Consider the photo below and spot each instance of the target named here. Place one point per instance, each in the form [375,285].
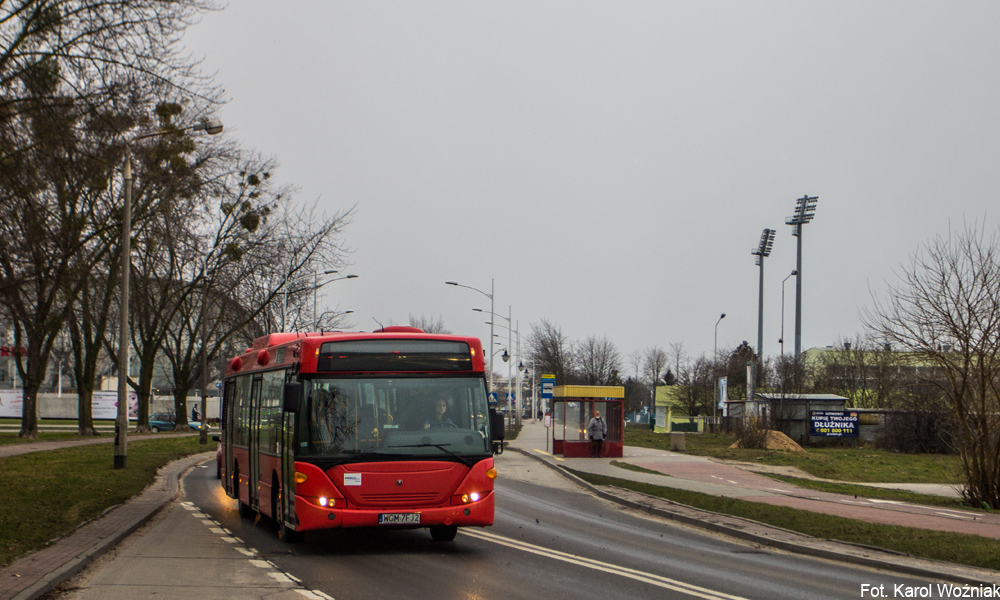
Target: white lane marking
[208,522]
[261,564]
[247,551]
[232,540]
[219,530]
[663,582]
[293,578]
[280,577]
[955,516]
[732,482]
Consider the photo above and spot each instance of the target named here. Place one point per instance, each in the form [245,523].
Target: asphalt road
[551,540]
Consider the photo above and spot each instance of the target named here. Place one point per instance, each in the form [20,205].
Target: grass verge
[863,464]
[58,490]
[951,547]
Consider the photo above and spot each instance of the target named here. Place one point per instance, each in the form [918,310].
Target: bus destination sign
[833,423]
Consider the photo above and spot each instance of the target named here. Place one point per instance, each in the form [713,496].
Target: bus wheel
[444,533]
[285,534]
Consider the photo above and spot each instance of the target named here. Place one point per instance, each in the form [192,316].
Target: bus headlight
[474,496]
[327,502]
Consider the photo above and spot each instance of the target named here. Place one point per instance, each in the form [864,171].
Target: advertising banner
[105,405]
[833,423]
[11,403]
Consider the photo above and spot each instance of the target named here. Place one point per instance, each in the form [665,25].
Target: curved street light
[211,127]
[781,340]
[490,296]
[284,300]
[715,358]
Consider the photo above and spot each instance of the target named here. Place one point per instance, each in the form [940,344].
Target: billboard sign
[833,423]
[11,403]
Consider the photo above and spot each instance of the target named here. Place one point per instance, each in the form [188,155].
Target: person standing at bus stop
[597,430]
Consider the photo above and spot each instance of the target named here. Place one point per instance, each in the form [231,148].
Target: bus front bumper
[475,514]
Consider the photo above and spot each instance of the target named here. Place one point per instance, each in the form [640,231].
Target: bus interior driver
[438,419]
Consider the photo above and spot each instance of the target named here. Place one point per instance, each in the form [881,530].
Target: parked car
[167,422]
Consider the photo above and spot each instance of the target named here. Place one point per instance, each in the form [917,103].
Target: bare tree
[654,365]
[251,236]
[945,311]
[551,351]
[50,224]
[863,370]
[599,361]
[697,383]
[675,356]
[67,68]
[429,324]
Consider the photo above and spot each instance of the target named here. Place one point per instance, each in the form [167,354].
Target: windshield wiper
[439,447]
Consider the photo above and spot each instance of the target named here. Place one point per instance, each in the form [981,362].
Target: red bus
[383,429]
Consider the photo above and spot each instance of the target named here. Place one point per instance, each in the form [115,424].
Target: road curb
[943,570]
[131,515]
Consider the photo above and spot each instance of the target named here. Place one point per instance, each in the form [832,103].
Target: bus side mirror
[291,398]
[497,430]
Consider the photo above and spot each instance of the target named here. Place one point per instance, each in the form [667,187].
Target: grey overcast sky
[612,164]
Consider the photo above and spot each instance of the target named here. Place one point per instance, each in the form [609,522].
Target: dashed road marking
[278,575]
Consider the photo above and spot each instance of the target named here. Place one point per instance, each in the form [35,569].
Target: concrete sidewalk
[707,476]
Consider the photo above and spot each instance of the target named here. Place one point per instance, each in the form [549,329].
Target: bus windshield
[398,416]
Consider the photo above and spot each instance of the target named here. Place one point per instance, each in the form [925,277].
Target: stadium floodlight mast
[490,296]
[805,210]
[763,250]
[211,127]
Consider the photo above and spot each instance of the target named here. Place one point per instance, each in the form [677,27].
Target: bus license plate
[399,519]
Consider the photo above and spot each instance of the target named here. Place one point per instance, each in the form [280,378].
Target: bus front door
[254,443]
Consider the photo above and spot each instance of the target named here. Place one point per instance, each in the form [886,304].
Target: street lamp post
[781,340]
[511,330]
[715,357]
[490,296]
[211,127]
[316,287]
[284,298]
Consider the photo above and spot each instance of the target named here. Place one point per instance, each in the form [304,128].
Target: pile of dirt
[778,441]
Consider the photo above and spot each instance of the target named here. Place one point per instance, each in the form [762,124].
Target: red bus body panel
[443,492]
